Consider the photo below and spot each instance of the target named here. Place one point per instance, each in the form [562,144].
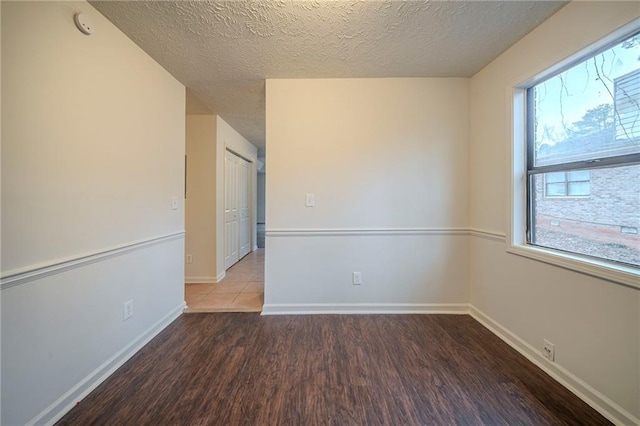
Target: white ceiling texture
[224,50]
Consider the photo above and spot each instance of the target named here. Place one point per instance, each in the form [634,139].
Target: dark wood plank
[245,369]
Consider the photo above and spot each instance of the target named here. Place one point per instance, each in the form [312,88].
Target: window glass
[605,224]
[556,189]
[578,189]
[590,110]
[584,157]
[555,177]
[574,183]
[578,175]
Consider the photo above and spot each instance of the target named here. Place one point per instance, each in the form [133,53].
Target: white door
[230,209]
[237,202]
[244,191]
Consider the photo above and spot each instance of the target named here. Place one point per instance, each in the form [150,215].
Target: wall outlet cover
[548,350]
[309,200]
[127,310]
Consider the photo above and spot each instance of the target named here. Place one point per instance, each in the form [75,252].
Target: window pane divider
[620,160]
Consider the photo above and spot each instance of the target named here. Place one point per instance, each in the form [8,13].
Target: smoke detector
[83,22]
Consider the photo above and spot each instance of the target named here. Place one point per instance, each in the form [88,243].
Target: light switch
[310,200]
[174,203]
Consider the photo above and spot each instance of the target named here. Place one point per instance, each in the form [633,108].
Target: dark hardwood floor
[246,369]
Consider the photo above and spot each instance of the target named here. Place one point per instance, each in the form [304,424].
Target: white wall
[0,217]
[387,162]
[92,154]
[594,324]
[200,204]
[229,139]
[261,197]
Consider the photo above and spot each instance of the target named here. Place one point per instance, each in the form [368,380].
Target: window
[567,184]
[583,156]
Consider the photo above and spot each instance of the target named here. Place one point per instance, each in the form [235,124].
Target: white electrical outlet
[357,278]
[189,258]
[127,310]
[309,200]
[548,350]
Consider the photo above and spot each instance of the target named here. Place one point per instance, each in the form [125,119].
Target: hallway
[242,290]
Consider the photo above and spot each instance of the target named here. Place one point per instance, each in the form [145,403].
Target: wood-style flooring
[247,369]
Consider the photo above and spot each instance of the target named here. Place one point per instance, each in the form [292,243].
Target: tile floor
[242,290]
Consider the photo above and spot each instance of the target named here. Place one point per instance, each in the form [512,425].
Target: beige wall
[594,324]
[92,155]
[387,162]
[69,164]
[376,152]
[200,203]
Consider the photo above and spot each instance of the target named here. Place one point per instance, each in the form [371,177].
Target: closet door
[244,191]
[237,202]
[231,218]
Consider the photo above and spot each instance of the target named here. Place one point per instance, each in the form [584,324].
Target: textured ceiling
[224,51]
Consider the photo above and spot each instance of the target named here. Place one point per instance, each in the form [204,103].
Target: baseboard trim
[205,280]
[363,232]
[582,390]
[66,402]
[364,308]
[34,272]
[200,280]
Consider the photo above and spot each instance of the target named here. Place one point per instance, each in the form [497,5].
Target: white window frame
[516,232]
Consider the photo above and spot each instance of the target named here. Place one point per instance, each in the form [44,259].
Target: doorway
[242,288]
[237,212]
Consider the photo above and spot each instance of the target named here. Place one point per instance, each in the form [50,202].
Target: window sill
[619,274]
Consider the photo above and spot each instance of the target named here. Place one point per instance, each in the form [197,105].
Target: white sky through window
[565,98]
